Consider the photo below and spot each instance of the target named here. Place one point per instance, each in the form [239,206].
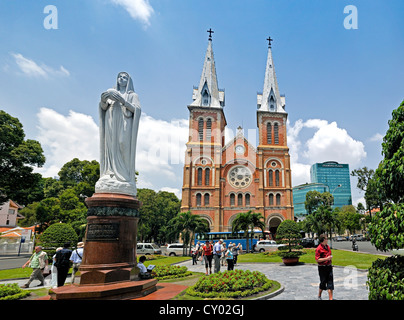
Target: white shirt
[142,267]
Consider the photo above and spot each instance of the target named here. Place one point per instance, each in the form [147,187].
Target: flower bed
[230,284]
[12,291]
[170,272]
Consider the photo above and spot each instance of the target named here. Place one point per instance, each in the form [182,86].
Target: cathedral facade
[222,179]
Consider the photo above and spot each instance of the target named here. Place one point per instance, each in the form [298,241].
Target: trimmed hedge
[11,291]
[230,284]
[170,272]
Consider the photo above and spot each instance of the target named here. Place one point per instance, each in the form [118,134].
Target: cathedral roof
[270,98]
[208,94]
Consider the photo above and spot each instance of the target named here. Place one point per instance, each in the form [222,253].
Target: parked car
[173,249]
[308,243]
[147,248]
[339,238]
[266,245]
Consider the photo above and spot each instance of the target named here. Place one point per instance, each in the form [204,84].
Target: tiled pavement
[301,281]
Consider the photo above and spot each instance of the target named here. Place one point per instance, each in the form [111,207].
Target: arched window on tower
[199,182]
[207,177]
[278,199]
[277,178]
[270,178]
[271,199]
[206,199]
[208,129]
[200,129]
[232,199]
[198,199]
[276,133]
[239,200]
[247,200]
[269,133]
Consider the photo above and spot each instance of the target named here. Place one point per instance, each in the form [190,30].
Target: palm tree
[187,224]
[248,220]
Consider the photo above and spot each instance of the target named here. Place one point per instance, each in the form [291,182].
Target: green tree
[188,224]
[289,233]
[315,199]
[385,278]
[18,157]
[366,184]
[246,221]
[57,235]
[81,175]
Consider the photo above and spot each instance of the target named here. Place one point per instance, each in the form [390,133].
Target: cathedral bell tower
[273,159]
[201,184]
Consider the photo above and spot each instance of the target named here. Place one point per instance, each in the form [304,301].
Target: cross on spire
[210,33]
[269,41]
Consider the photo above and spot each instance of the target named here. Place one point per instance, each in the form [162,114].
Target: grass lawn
[340,258]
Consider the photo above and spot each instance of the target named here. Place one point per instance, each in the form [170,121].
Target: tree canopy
[18,157]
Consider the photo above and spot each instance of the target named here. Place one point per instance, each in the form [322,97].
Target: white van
[174,249]
[266,245]
[147,248]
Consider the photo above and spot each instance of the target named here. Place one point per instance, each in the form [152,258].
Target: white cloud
[327,143]
[66,137]
[138,9]
[31,68]
[160,146]
[377,138]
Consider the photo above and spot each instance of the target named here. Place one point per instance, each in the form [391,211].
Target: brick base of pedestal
[126,290]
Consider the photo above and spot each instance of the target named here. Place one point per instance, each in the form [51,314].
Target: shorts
[326,277]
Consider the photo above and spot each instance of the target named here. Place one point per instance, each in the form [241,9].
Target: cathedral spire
[207,94]
[270,99]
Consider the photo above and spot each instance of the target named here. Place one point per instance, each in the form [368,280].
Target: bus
[235,238]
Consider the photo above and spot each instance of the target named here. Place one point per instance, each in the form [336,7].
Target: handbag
[46,271]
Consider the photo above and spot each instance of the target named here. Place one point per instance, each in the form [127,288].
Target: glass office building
[299,196]
[337,177]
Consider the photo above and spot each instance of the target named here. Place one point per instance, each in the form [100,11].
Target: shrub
[12,291]
[288,233]
[170,272]
[58,234]
[386,279]
[230,284]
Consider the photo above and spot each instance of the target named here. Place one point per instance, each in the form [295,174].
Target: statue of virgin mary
[119,121]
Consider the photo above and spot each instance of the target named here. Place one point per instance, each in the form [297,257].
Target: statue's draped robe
[118,136]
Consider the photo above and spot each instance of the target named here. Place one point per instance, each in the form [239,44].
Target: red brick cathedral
[222,180]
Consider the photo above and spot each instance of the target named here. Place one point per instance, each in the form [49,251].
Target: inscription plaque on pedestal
[103,232]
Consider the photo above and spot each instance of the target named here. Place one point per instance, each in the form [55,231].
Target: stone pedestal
[108,269]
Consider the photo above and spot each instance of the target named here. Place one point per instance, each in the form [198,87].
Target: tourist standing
[207,254]
[323,258]
[229,257]
[235,250]
[76,258]
[217,253]
[63,263]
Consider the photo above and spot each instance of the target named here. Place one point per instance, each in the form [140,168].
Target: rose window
[240,177]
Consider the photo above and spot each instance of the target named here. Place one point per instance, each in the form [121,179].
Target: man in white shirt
[217,253]
[76,258]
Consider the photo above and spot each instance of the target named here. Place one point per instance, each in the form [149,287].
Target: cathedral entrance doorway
[274,221]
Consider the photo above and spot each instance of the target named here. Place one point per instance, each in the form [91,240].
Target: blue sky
[341,85]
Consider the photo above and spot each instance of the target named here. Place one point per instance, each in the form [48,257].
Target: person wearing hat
[76,258]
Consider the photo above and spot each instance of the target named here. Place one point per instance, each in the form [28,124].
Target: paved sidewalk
[301,281]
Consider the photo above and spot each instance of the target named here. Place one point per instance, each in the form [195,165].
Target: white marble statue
[119,121]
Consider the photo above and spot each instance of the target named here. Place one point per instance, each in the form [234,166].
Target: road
[363,246]
[13,261]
